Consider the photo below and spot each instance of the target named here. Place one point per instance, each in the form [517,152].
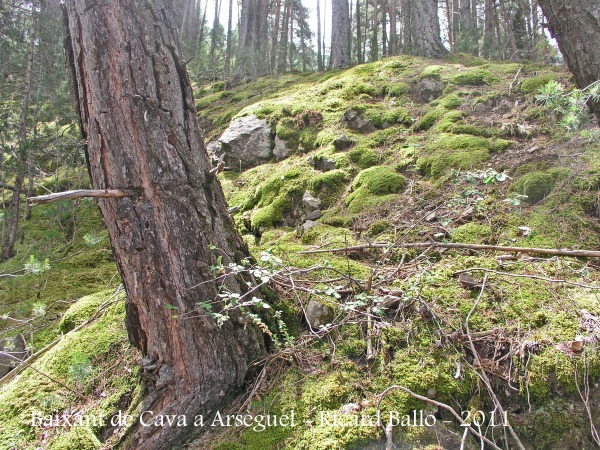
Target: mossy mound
[448,151]
[475,77]
[532,85]
[537,185]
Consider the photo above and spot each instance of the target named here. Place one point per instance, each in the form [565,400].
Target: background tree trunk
[319,49]
[23,151]
[340,32]
[424,29]
[576,27]
[138,117]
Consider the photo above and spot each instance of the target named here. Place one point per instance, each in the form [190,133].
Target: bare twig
[79,193]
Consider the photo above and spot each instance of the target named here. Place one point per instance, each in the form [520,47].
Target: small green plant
[35,266]
[92,239]
[39,309]
[570,106]
[80,368]
[515,199]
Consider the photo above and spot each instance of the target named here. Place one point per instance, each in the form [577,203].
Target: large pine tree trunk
[423,29]
[137,115]
[576,27]
[340,42]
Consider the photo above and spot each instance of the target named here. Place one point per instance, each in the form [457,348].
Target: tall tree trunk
[227,66]
[319,47]
[576,28]
[374,36]
[275,34]
[424,29]
[23,155]
[340,45]
[488,28]
[213,37]
[253,32]
[291,38]
[393,50]
[283,41]
[138,118]
[359,54]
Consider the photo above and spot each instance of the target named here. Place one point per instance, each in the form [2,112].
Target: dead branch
[78,193]
[529,250]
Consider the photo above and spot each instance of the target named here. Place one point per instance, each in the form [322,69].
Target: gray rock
[246,142]
[310,203]
[357,122]
[318,314]
[323,164]
[429,88]
[281,151]
[316,214]
[343,142]
[308,225]
[14,346]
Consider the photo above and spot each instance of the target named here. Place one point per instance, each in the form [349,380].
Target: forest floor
[397,323]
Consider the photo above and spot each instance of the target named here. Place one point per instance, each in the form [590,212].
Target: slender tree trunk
[23,156]
[359,54]
[384,36]
[275,34]
[291,38]
[319,47]
[213,38]
[227,66]
[393,49]
[340,45]
[374,36]
[283,42]
[576,28]
[202,26]
[138,118]
[488,28]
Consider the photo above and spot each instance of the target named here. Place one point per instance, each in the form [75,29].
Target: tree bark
[319,47]
[576,28]
[137,116]
[227,66]
[253,32]
[424,29]
[340,32]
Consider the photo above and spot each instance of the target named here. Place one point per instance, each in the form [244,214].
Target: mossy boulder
[77,438]
[372,185]
[534,84]
[328,186]
[537,185]
[81,311]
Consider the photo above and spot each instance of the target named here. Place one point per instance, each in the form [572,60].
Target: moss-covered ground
[481,164]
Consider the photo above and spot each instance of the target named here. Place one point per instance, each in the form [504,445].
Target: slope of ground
[481,163]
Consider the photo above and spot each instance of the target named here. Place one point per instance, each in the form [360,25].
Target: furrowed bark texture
[576,27]
[138,117]
[340,42]
[424,29]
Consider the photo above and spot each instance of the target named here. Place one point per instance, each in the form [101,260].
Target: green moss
[77,438]
[396,89]
[537,185]
[364,157]
[471,233]
[459,152]
[304,138]
[449,120]
[379,227]
[81,311]
[373,187]
[451,101]
[328,186]
[429,119]
[534,84]
[475,77]
[433,71]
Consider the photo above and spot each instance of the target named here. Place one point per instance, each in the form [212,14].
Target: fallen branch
[79,193]
[529,250]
